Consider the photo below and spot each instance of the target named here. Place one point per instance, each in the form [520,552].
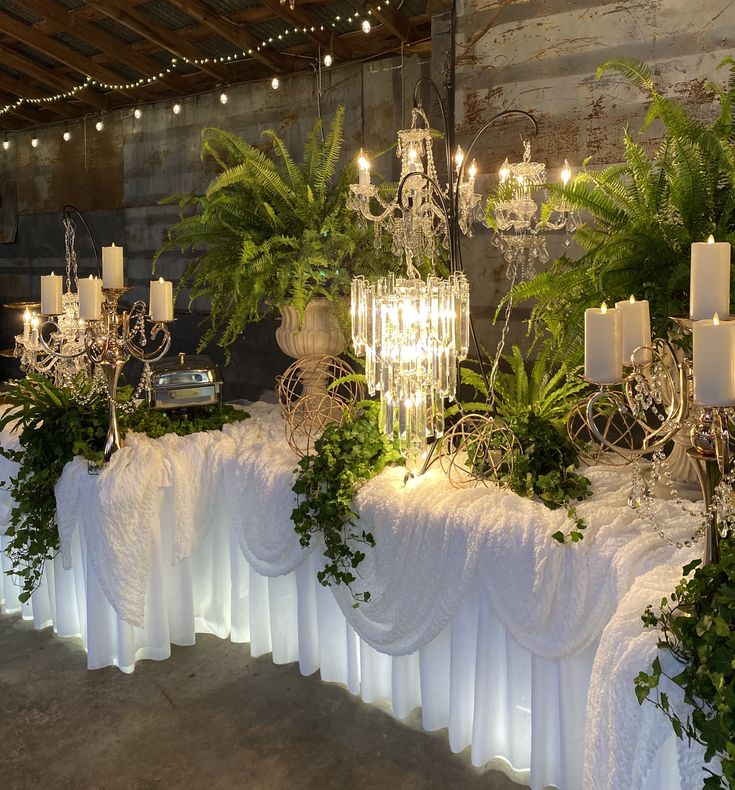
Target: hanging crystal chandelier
[412,333]
[519,228]
[68,361]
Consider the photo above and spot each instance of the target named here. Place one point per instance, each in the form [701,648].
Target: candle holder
[110,342]
[619,424]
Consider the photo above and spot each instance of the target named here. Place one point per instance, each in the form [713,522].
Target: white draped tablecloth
[524,649]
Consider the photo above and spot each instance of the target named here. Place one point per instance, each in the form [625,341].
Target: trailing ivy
[696,624]
[54,425]
[345,456]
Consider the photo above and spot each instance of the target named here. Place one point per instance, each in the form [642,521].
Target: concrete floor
[209,717]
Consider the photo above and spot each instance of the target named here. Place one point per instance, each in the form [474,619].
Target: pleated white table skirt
[516,711]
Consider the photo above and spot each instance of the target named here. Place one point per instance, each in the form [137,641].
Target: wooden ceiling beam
[48,76]
[49,46]
[210,18]
[400,26]
[299,18]
[19,88]
[101,39]
[165,39]
[24,111]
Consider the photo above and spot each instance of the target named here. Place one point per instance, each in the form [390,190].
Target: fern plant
[642,216]
[268,231]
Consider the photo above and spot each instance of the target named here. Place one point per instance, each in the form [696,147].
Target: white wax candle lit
[161,300]
[603,345]
[363,164]
[112,267]
[51,290]
[27,325]
[90,299]
[636,329]
[713,357]
[709,290]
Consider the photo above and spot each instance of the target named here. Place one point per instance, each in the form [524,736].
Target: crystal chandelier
[519,228]
[60,356]
[412,333]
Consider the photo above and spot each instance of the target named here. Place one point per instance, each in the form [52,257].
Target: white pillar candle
[709,290]
[636,328]
[112,267]
[162,300]
[90,299]
[51,289]
[713,357]
[603,345]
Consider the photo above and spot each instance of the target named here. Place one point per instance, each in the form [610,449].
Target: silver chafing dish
[184,381]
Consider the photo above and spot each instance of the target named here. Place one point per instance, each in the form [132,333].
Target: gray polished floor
[209,717]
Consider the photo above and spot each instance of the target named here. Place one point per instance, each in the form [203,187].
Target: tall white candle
[51,288]
[709,289]
[603,345]
[364,165]
[112,267]
[26,325]
[713,356]
[90,299]
[161,300]
[636,328]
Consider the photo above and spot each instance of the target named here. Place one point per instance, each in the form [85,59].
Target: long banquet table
[523,649]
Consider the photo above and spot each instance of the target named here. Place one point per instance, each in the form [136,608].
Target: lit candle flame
[603,308]
[34,322]
[716,320]
[473,169]
[711,239]
[459,157]
[363,162]
[632,299]
[26,316]
[412,154]
[504,171]
[566,173]
[160,279]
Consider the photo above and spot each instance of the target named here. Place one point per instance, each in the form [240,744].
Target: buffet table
[525,650]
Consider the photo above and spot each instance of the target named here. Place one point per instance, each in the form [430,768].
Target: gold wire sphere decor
[477,450]
[313,393]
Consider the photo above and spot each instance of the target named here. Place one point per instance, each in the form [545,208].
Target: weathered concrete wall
[117,176]
[541,56]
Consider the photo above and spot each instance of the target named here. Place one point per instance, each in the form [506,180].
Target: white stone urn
[318,334]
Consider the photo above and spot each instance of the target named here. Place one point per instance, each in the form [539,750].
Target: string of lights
[180,62]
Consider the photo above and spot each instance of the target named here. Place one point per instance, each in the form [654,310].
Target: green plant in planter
[696,624]
[642,216]
[269,232]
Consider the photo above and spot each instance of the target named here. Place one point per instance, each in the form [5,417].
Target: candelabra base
[707,469]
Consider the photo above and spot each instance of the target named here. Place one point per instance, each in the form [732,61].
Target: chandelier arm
[432,182]
[47,348]
[66,213]
[137,314]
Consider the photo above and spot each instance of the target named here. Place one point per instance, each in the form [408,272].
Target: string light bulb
[223,98]
[67,135]
[176,109]
[366,26]
[328,59]
[99,126]
[34,141]
[138,113]
[6,143]
[275,83]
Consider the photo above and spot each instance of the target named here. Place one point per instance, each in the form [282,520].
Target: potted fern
[272,235]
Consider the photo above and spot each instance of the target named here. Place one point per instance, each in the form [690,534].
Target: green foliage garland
[697,626]
[54,425]
[345,456]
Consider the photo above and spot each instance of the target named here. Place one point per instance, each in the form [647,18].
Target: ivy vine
[55,424]
[346,455]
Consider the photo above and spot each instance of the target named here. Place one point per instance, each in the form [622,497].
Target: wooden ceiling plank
[241,38]
[19,88]
[400,26]
[24,111]
[301,19]
[57,50]
[47,76]
[101,39]
[165,39]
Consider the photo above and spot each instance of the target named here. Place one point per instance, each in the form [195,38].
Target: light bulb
[459,157]
[328,60]
[566,173]
[711,239]
[66,135]
[473,169]
[275,83]
[138,113]
[716,319]
[363,162]
[99,126]
[504,171]
[6,143]
[603,308]
[412,155]
[176,108]
[223,98]
[366,27]
[34,141]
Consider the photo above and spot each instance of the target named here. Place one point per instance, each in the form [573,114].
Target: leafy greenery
[643,216]
[535,408]
[269,232]
[345,456]
[697,626]
[54,425]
